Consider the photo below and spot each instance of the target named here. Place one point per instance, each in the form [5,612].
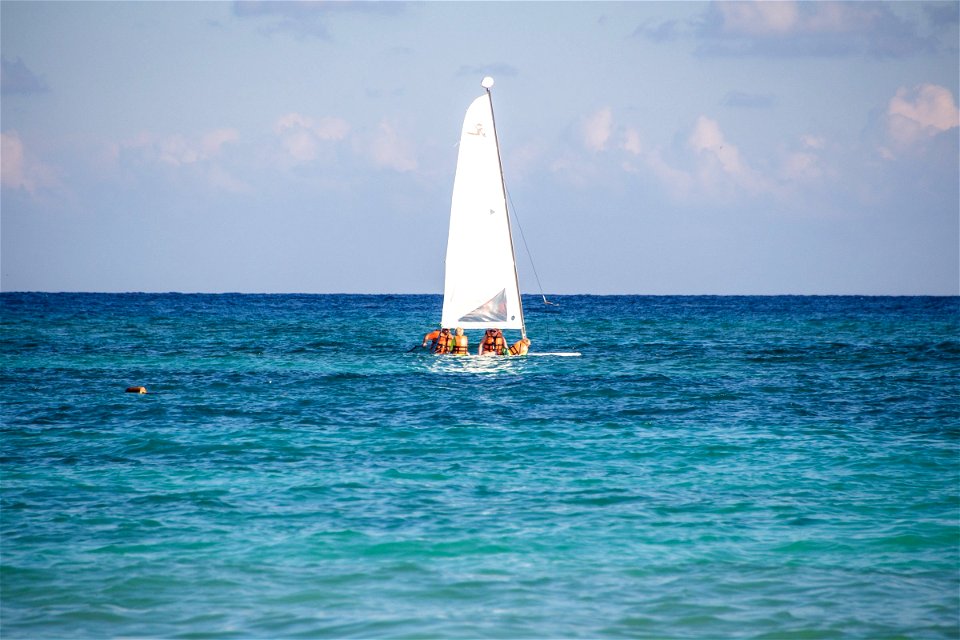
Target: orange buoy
[136,389]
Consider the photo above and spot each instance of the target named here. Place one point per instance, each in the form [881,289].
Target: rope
[513,209]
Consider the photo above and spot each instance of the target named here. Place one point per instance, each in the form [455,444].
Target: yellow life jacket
[518,349]
[459,345]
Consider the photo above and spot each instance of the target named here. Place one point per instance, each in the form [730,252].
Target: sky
[648,147]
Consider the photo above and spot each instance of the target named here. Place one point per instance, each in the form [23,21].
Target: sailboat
[481,286]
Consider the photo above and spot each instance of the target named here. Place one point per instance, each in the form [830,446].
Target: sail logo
[478,132]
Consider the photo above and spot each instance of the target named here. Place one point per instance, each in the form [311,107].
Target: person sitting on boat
[487,340]
[442,344]
[493,344]
[459,343]
[432,338]
[520,347]
[439,341]
[500,343]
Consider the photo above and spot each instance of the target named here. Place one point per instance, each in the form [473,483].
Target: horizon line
[536,295]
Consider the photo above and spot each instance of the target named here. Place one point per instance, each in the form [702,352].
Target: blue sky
[649,148]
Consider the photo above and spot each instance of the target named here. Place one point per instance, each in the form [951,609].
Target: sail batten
[480,285]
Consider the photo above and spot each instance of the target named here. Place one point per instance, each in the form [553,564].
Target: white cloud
[389,149]
[790,28]
[11,157]
[804,165]
[326,128]
[707,166]
[18,169]
[221,179]
[301,145]
[678,183]
[719,161]
[703,164]
[199,155]
[632,142]
[766,19]
[914,115]
[305,139]
[763,18]
[837,17]
[212,142]
[528,157]
[308,18]
[597,128]
[706,135]
[177,149]
[301,136]
[759,18]
[800,166]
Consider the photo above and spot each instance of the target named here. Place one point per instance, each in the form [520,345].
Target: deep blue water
[711,467]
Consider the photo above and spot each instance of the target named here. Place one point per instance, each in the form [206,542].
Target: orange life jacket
[517,349]
[442,344]
[459,345]
[487,343]
[493,344]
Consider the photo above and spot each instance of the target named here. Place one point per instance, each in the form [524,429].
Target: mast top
[486,83]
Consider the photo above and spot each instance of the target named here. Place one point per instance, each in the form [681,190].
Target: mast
[487,83]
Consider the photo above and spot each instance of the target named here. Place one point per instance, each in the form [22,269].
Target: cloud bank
[802,29]
[919,113]
[20,169]
[307,17]
[705,165]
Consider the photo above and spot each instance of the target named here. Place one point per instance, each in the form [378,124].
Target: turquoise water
[709,468]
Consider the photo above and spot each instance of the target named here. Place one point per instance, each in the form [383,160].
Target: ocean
[709,467]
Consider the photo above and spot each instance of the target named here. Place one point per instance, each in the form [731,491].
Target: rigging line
[513,209]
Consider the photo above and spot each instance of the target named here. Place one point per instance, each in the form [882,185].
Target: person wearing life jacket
[499,343]
[520,347]
[440,341]
[432,338]
[459,343]
[443,342]
[486,344]
[493,344]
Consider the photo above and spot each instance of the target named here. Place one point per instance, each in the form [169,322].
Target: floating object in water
[136,389]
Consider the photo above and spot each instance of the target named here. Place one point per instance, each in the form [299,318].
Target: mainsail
[480,288]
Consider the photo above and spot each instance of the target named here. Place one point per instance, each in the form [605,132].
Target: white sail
[480,287]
